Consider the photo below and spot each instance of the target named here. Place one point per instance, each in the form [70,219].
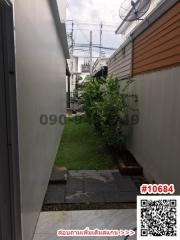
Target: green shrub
[91,97]
[109,107]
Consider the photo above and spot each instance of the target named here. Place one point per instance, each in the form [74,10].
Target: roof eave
[122,27]
[61,28]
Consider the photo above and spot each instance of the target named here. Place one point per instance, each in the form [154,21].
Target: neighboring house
[73,68]
[32,87]
[126,28]
[99,68]
[120,63]
[152,58]
[68,87]
[85,70]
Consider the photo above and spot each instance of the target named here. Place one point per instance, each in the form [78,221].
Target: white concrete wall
[41,69]
[156,139]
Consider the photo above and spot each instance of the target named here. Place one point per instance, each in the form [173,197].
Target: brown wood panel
[168,62]
[160,37]
[164,55]
[160,22]
[162,50]
[159,45]
[168,26]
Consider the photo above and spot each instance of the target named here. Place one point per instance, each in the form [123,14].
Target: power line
[87,50]
[100,41]
[93,24]
[85,44]
[75,20]
[87,57]
[82,47]
[94,46]
[94,30]
[90,52]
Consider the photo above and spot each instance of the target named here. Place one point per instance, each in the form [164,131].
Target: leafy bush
[109,107]
[92,96]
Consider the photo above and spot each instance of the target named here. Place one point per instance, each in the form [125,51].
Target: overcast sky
[95,12]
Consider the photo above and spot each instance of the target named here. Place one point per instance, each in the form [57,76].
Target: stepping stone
[85,197]
[120,197]
[59,175]
[74,185]
[77,197]
[91,187]
[124,183]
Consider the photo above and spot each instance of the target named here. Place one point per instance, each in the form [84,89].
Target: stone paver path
[103,186]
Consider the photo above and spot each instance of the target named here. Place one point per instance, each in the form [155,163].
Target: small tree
[109,107]
[91,97]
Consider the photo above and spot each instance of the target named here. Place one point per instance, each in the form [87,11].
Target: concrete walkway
[103,186]
[50,222]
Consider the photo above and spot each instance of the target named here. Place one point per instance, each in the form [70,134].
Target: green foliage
[92,96]
[74,98]
[109,106]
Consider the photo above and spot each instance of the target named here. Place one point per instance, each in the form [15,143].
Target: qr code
[158,216]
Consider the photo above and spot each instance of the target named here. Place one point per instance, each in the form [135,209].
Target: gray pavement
[103,186]
[50,222]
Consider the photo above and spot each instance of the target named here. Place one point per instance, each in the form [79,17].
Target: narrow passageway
[86,188]
[88,178]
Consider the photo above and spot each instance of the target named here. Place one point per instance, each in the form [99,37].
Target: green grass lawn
[82,149]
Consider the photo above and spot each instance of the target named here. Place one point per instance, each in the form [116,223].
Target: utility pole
[100,44]
[72,46]
[70,76]
[90,53]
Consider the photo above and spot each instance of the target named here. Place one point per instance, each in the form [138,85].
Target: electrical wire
[94,30]
[75,20]
[94,24]
[81,47]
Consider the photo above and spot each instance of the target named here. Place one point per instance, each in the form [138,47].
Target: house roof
[123,45]
[67,69]
[61,29]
